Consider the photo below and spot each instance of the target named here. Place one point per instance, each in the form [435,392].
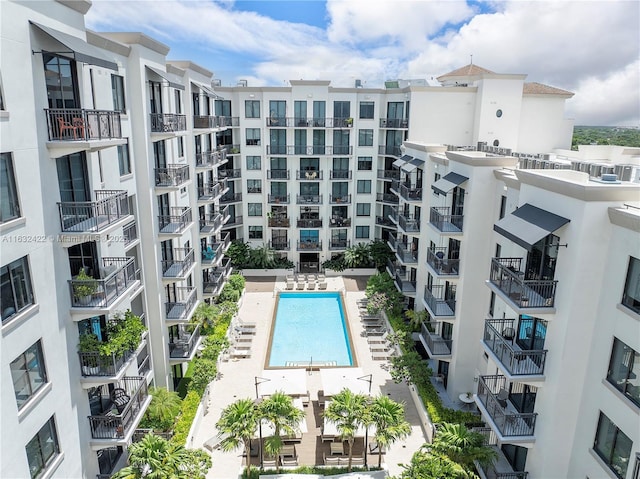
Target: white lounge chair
[290,285]
[383,355]
[375,331]
[240,353]
[311,277]
[311,285]
[378,339]
[300,286]
[244,330]
[375,347]
[215,442]
[322,285]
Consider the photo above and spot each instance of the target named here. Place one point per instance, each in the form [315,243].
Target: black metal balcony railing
[389,150]
[339,222]
[210,158]
[339,243]
[119,274]
[116,425]
[280,245]
[176,222]
[404,282]
[432,334]
[498,336]
[438,305]
[442,219]
[309,175]
[278,199]
[384,221]
[288,150]
[183,303]
[211,192]
[172,176]
[74,124]
[390,198]
[140,433]
[179,265]
[231,198]
[408,191]
[299,122]
[212,253]
[168,122]
[508,423]
[340,174]
[490,470]
[388,174]
[393,266]
[279,221]
[208,122]
[309,199]
[393,215]
[337,199]
[278,174]
[409,223]
[394,123]
[233,222]
[309,223]
[309,245]
[214,279]
[183,344]
[507,276]
[129,233]
[93,216]
[230,173]
[441,264]
[98,364]
[407,252]
[211,223]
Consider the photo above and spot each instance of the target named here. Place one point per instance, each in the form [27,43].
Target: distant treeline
[605,135]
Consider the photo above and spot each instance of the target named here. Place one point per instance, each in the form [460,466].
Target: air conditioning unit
[242,83]
[216,82]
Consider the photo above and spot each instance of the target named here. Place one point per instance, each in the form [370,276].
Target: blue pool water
[310,327]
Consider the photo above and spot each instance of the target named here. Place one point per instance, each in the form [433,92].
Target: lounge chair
[242,338]
[378,339]
[215,442]
[331,460]
[374,324]
[322,285]
[240,353]
[374,331]
[269,461]
[292,461]
[246,324]
[311,277]
[300,285]
[383,355]
[356,461]
[379,347]
[290,285]
[244,330]
[311,285]
[321,277]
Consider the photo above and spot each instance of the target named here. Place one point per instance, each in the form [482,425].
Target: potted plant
[348,121]
[124,333]
[89,343]
[85,287]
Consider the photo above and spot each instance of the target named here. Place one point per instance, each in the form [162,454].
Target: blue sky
[588,47]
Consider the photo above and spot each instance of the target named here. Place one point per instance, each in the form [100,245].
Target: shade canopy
[78,49]
[336,379]
[206,90]
[412,164]
[289,381]
[448,182]
[172,80]
[529,224]
[398,163]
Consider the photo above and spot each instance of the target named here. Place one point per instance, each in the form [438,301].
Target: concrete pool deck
[236,380]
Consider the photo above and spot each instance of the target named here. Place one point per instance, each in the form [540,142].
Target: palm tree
[239,421]
[462,445]
[416,318]
[425,464]
[279,410]
[204,315]
[262,257]
[163,409]
[349,412]
[357,255]
[388,418]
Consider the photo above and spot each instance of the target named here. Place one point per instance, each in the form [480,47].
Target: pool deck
[236,380]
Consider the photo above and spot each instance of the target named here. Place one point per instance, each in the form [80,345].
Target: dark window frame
[631,299]
[250,107]
[363,186]
[621,370]
[36,445]
[365,137]
[124,159]
[28,298]
[360,231]
[599,446]
[8,189]
[363,209]
[365,163]
[117,92]
[254,162]
[32,360]
[256,232]
[366,110]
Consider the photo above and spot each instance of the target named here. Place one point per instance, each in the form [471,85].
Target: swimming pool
[309,328]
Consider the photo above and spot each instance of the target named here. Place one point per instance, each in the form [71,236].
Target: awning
[448,182]
[529,224]
[207,91]
[173,80]
[406,157]
[398,163]
[412,165]
[79,50]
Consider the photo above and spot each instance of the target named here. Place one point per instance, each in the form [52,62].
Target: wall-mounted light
[252,96]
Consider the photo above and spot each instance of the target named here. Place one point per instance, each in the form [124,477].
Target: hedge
[187,414]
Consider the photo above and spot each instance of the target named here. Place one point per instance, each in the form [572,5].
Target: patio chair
[290,285]
[311,285]
[322,285]
[215,442]
[383,355]
[300,286]
[379,339]
[502,397]
[356,461]
[321,277]
[384,346]
[293,461]
[311,277]
[331,461]
[269,461]
[374,331]
[120,399]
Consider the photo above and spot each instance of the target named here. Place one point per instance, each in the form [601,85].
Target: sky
[591,48]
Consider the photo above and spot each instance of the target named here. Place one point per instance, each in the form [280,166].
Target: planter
[90,370]
[85,300]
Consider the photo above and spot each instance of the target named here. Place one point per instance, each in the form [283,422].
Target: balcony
[178,267]
[119,275]
[339,244]
[202,122]
[309,245]
[176,222]
[110,207]
[442,220]
[389,150]
[500,467]
[167,122]
[210,224]
[439,306]
[96,364]
[119,423]
[407,253]
[129,234]
[230,173]
[309,223]
[233,222]
[510,282]
[213,253]
[434,343]
[233,149]
[231,198]
[498,339]
[277,199]
[299,122]
[393,215]
[227,121]
[403,281]
[409,223]
[392,241]
[437,259]
[388,198]
[409,192]
[214,280]
[309,199]
[280,245]
[282,174]
[340,199]
[310,150]
[75,124]
[494,401]
[209,159]
[173,176]
[180,308]
[340,174]
[393,266]
[183,345]
[309,175]
[388,175]
[211,192]
[385,222]
[339,222]
[394,123]
[278,221]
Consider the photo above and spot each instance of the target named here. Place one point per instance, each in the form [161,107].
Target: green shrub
[229,293]
[237,282]
[204,371]
[188,413]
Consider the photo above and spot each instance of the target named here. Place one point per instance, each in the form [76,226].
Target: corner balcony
[179,267]
[230,173]
[184,345]
[309,175]
[280,245]
[394,123]
[214,279]
[442,220]
[233,222]
[120,277]
[388,175]
[409,223]
[340,199]
[500,342]
[404,283]
[130,399]
[440,264]
[231,198]
[494,401]
[75,129]
[278,199]
[182,306]
[407,253]
[278,221]
[439,307]
[389,150]
[388,198]
[432,340]
[309,245]
[108,212]
[339,244]
[409,192]
[309,223]
[167,122]
[175,223]
[309,199]
[340,174]
[212,255]
[339,222]
[212,192]
[278,174]
[524,295]
[500,467]
[171,177]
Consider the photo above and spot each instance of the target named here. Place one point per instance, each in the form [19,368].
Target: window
[254,209]
[341,109]
[631,295]
[254,186]
[43,448]
[123,159]
[341,142]
[364,186]
[252,109]
[9,206]
[624,370]
[613,446]
[255,232]
[363,209]
[117,91]
[107,459]
[365,163]
[180,147]
[28,373]
[15,289]
[253,136]
[366,109]
[362,231]
[178,95]
[503,206]
[253,163]
[365,137]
